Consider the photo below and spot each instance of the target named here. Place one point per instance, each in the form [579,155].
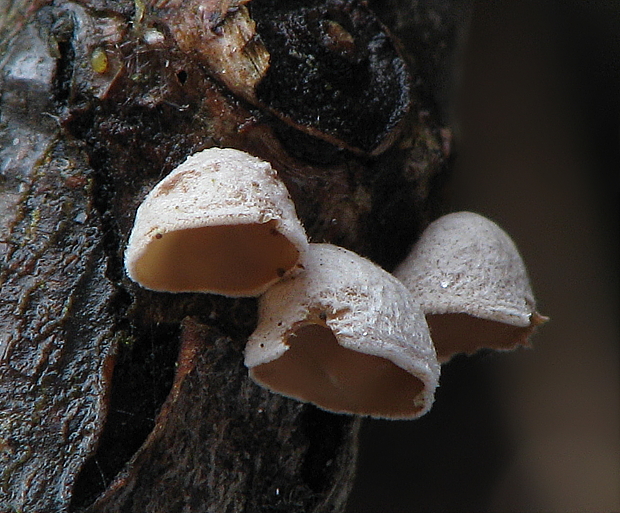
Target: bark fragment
[242,449]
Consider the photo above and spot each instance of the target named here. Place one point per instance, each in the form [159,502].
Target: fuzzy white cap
[346,336]
[466,265]
[221,222]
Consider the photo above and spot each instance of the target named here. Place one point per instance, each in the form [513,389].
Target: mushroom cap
[472,284]
[221,222]
[346,336]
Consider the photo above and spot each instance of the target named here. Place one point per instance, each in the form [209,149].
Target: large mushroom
[221,222]
[346,336]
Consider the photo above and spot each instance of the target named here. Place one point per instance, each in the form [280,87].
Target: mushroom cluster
[334,329]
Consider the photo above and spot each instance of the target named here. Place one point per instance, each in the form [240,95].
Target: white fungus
[470,281]
[346,336]
[221,222]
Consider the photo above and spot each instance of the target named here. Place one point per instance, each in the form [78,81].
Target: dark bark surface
[114,398]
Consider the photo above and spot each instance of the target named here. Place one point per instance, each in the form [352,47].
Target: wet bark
[114,398]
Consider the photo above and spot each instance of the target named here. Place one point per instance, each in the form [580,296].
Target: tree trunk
[115,398]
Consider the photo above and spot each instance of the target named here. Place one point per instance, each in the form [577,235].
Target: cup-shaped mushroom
[471,283]
[221,222]
[346,336]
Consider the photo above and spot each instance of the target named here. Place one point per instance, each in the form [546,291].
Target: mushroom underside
[226,259]
[455,333]
[317,369]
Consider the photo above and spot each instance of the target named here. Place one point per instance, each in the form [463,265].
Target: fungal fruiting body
[346,336]
[221,222]
[471,283]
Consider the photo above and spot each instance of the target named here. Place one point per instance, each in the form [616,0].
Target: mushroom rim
[316,368]
[241,259]
[463,333]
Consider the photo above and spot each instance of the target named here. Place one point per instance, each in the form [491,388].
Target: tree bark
[115,398]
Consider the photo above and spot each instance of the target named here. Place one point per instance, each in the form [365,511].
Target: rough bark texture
[114,398]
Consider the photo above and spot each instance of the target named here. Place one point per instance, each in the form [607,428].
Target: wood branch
[114,398]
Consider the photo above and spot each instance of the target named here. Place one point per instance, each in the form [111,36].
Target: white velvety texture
[465,263]
[215,187]
[367,309]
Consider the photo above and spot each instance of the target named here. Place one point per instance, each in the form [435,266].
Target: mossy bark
[114,398]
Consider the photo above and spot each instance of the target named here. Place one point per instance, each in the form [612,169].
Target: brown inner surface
[317,369]
[233,259]
[462,333]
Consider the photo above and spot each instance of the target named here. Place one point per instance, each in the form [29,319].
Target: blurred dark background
[535,112]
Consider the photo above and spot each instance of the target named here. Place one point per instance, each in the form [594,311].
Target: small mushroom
[346,336]
[221,222]
[471,283]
